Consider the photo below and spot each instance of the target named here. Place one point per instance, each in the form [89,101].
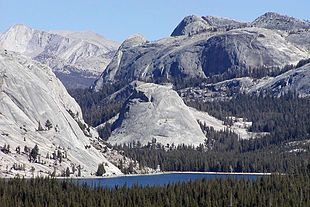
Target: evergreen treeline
[276,190]
[96,106]
[187,158]
[286,118]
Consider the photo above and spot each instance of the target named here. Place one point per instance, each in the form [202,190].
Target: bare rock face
[300,39]
[202,46]
[249,48]
[200,55]
[294,81]
[156,112]
[192,25]
[271,20]
[77,58]
[198,48]
[36,109]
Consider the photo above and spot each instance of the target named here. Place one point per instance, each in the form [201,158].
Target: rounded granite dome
[191,25]
[134,40]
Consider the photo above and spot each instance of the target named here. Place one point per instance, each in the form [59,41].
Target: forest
[188,158]
[275,190]
[285,118]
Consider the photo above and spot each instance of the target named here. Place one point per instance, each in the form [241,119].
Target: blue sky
[118,19]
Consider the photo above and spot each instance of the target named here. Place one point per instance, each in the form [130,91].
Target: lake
[158,179]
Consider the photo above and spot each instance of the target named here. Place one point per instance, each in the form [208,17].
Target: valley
[128,103]
[217,95]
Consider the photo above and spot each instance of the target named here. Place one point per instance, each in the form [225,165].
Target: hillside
[36,110]
[77,58]
[207,60]
[201,47]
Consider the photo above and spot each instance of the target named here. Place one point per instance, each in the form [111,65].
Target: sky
[119,19]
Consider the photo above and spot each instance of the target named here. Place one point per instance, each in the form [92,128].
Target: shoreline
[151,174]
[166,173]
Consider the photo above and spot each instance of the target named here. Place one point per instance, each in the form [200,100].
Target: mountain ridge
[272,20]
[206,53]
[82,54]
[192,25]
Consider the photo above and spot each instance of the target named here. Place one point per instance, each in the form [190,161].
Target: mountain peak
[20,27]
[272,14]
[134,40]
[19,30]
[193,24]
[89,36]
[16,38]
[272,20]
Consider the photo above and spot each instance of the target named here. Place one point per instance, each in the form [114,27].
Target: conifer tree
[100,170]
[34,153]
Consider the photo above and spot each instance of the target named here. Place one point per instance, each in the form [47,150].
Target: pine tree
[34,153]
[130,168]
[67,172]
[100,170]
[48,124]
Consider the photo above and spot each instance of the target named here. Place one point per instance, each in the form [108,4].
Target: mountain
[156,113]
[296,80]
[271,20]
[77,58]
[205,54]
[205,59]
[35,109]
[192,25]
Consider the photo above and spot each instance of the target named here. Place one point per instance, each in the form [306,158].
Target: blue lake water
[158,179]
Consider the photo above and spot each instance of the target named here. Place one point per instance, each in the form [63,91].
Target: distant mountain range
[204,46]
[77,58]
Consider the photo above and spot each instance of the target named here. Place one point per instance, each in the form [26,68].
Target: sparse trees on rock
[6,149]
[48,124]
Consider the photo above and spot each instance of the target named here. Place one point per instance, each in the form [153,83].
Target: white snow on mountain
[30,94]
